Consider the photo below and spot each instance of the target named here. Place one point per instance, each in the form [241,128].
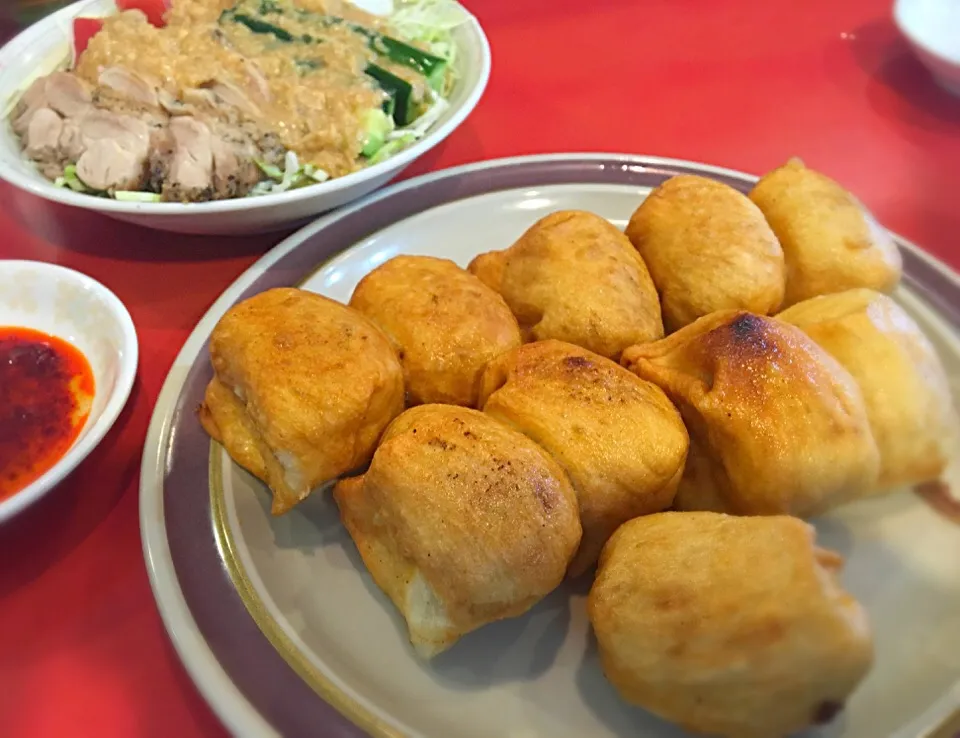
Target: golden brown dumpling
[461,521]
[903,383]
[620,440]
[444,322]
[729,626]
[831,243]
[225,420]
[303,388]
[574,276]
[708,248]
[776,424]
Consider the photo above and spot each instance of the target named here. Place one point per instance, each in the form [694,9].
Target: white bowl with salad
[232,116]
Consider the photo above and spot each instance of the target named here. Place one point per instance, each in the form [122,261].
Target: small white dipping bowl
[74,308]
[47,44]
[932,28]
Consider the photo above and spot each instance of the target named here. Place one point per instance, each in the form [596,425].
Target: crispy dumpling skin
[708,248]
[620,440]
[225,419]
[488,268]
[574,277]
[444,322]
[303,389]
[777,426]
[904,385]
[461,521]
[729,626]
[830,241]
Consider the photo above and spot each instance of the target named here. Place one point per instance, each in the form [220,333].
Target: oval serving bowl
[46,45]
[79,310]
[285,633]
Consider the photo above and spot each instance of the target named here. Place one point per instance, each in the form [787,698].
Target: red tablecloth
[735,83]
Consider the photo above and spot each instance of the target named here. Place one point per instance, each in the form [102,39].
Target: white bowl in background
[45,45]
[932,28]
[74,308]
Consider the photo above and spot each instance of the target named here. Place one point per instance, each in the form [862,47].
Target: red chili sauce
[46,389]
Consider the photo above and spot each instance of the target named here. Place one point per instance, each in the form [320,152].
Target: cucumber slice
[433,68]
[378,126]
[258,26]
[390,148]
[253,15]
[389,105]
[404,110]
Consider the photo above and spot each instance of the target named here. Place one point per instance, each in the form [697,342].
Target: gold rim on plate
[329,692]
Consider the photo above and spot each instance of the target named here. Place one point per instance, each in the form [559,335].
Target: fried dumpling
[444,322]
[461,521]
[573,276]
[619,438]
[303,387]
[904,385]
[830,241]
[777,426]
[708,248]
[225,420]
[729,626]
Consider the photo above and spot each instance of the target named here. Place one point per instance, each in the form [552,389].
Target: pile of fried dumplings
[660,408]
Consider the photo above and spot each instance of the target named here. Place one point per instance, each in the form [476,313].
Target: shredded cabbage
[270,170]
[431,22]
[134,196]
[71,180]
[392,147]
[418,129]
[293,176]
[291,171]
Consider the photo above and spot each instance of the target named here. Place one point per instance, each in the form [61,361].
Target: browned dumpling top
[777,425]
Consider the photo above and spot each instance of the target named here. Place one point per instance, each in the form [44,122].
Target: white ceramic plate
[79,310]
[42,47]
[273,617]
